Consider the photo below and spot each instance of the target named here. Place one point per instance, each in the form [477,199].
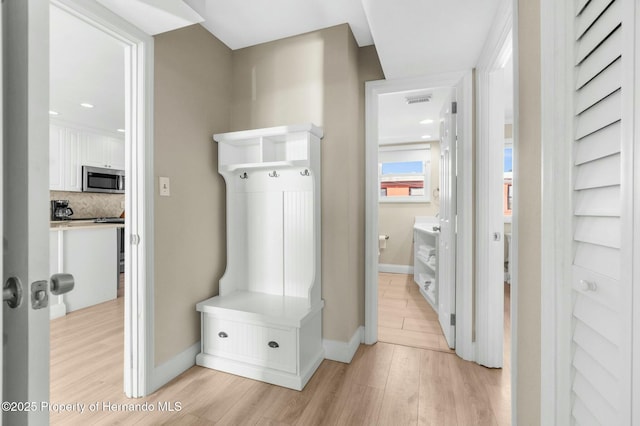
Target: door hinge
[454,107]
[453,319]
[134,240]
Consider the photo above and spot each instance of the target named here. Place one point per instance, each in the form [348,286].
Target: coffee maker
[60,210]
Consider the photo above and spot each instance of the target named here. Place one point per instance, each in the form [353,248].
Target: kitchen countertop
[67,225]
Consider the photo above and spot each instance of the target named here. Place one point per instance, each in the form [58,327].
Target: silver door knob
[12,292]
[62,283]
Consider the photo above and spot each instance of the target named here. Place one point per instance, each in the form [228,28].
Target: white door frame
[1,198]
[138,346]
[555,297]
[464,261]
[489,214]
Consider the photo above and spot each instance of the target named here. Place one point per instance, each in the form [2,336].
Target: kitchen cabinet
[90,254]
[65,171]
[266,322]
[102,151]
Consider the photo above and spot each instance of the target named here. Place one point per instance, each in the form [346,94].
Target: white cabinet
[65,171]
[71,148]
[91,256]
[425,263]
[266,322]
[102,151]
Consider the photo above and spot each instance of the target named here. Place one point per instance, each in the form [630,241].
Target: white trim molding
[343,351]
[556,246]
[138,345]
[462,82]
[490,219]
[395,269]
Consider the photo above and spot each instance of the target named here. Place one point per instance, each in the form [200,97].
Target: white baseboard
[177,365]
[57,310]
[395,269]
[343,351]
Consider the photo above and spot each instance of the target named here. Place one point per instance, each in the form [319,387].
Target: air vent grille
[417,99]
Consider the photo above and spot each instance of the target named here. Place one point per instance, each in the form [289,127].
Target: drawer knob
[273,344]
[223,335]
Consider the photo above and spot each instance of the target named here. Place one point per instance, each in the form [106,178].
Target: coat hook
[274,174]
[305,173]
[244,175]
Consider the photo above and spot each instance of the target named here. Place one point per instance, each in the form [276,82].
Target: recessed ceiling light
[121,130]
[51,112]
[427,121]
[426,136]
[86,105]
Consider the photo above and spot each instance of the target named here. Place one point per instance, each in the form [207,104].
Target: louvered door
[600,279]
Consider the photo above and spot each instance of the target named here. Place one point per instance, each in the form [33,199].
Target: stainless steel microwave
[99,179]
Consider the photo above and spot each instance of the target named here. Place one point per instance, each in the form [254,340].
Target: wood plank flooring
[405,317]
[385,384]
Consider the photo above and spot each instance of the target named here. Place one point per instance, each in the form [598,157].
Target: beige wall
[203,88]
[396,219]
[529,213]
[314,78]
[192,98]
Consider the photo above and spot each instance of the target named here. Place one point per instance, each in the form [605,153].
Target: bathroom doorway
[416,187]
[409,193]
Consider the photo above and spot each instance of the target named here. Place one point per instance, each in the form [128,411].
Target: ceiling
[412,37]
[399,121]
[86,66]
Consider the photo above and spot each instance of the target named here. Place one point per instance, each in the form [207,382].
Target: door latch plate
[39,295]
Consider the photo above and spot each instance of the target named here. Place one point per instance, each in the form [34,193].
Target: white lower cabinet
[263,337]
[90,255]
[266,346]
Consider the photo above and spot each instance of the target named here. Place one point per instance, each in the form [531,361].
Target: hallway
[385,384]
[405,317]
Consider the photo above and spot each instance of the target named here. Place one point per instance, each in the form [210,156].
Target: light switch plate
[165,187]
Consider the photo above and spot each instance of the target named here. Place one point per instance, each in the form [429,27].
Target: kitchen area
[87,132]
[87,217]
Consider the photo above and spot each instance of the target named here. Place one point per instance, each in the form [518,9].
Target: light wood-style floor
[405,317]
[385,384]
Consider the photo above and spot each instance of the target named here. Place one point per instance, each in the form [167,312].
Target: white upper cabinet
[103,151]
[71,148]
[64,159]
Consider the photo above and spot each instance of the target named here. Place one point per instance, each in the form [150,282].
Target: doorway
[137,123]
[460,83]
[409,184]
[87,145]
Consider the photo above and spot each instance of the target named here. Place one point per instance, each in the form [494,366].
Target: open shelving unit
[266,321]
[425,265]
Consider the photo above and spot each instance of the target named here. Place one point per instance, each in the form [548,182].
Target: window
[508,181]
[403,173]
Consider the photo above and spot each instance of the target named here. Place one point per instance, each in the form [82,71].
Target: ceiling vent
[417,99]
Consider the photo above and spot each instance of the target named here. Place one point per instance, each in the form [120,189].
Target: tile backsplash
[90,205]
